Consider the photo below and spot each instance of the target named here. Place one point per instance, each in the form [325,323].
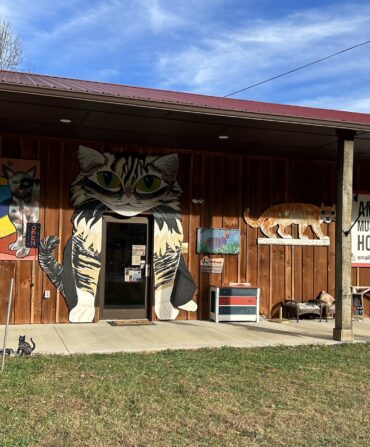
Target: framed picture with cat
[19,207]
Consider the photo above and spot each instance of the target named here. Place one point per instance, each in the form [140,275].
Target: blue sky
[203,46]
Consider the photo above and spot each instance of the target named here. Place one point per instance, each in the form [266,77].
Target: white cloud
[340,102]
[231,59]
[160,17]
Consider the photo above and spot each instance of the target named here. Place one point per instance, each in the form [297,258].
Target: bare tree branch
[11,49]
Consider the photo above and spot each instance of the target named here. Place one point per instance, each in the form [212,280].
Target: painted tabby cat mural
[285,214]
[128,186]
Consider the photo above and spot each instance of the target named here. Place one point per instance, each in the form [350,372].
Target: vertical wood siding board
[240,222]
[65,226]
[245,197]
[262,200]
[263,280]
[15,275]
[230,214]
[22,302]
[222,214]
[11,149]
[320,270]
[271,280]
[298,269]
[326,269]
[6,273]
[241,225]
[185,183]
[33,281]
[216,205]
[202,293]
[252,233]
[35,264]
[308,280]
[183,178]
[205,222]
[288,272]
[24,296]
[196,170]
[43,201]
[37,274]
[4,278]
[59,297]
[52,157]
[278,274]
[44,151]
[287,250]
[186,186]
[292,274]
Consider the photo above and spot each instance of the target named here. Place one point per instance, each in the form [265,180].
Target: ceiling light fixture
[65,120]
[223,137]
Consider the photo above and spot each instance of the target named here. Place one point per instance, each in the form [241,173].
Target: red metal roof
[43,82]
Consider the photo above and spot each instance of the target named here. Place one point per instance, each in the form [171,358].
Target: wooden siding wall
[228,184]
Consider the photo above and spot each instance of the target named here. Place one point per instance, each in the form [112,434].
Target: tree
[11,49]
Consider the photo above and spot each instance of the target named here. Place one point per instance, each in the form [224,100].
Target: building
[225,155]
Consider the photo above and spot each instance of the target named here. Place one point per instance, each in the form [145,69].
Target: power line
[296,69]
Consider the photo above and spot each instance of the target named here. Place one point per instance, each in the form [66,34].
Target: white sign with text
[361,230]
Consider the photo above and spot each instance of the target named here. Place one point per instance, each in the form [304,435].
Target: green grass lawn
[281,396]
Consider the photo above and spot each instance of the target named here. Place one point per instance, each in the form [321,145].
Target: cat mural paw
[84,311]
[165,311]
[14,246]
[190,306]
[22,252]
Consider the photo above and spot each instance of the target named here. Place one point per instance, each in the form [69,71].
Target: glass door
[125,272]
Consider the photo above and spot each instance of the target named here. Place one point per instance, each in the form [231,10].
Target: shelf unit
[234,303]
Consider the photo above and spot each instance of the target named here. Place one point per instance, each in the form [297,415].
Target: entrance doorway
[125,280]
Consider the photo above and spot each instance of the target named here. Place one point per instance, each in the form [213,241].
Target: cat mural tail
[127,185]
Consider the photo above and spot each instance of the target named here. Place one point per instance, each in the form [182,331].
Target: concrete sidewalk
[103,338]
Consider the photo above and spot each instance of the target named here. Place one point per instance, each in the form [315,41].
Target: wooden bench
[293,309]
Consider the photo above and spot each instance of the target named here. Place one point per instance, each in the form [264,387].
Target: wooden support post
[343,298]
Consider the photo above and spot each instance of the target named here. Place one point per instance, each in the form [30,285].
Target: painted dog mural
[127,185]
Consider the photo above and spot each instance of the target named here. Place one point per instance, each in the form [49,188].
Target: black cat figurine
[24,348]
[8,351]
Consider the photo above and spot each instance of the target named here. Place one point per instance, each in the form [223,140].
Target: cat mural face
[327,213]
[20,183]
[126,185]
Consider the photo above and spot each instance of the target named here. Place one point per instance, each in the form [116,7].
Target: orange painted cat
[285,214]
